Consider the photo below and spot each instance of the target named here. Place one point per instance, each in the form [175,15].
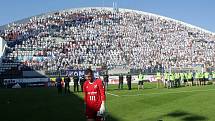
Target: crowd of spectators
[104,36]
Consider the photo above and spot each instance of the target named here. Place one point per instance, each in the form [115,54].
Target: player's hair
[89,71]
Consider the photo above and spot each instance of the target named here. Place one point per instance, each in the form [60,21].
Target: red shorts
[92,114]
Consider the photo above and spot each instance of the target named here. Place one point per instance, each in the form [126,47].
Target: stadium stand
[131,39]
[2,50]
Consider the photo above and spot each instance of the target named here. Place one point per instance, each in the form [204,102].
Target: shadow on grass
[41,104]
[184,116]
[177,114]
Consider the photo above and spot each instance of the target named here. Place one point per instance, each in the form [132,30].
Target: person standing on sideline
[59,84]
[166,79]
[158,77]
[206,77]
[128,78]
[140,81]
[213,77]
[177,79]
[106,80]
[67,81]
[82,80]
[75,80]
[120,86]
[189,78]
[94,97]
[172,79]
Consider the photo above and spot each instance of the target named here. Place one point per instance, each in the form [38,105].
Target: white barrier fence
[115,79]
[112,80]
[25,80]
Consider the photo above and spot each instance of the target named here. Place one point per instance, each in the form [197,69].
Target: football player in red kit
[94,97]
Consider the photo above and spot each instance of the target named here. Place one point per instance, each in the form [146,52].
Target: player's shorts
[140,82]
[93,115]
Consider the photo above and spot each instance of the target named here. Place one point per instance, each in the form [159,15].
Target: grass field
[150,104]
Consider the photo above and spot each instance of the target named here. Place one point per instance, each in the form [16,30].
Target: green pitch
[151,104]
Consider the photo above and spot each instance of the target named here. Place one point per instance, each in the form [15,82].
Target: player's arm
[102,91]
[103,97]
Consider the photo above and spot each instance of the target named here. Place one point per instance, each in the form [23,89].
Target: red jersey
[94,94]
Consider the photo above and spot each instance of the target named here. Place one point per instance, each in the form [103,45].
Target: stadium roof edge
[120,9]
[167,18]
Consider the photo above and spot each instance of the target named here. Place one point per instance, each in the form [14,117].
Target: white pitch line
[169,92]
[113,94]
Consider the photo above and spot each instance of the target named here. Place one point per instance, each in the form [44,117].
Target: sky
[196,12]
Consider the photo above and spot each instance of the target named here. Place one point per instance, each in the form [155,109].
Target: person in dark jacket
[120,82]
[128,78]
[106,80]
[59,84]
[82,80]
[75,80]
[67,81]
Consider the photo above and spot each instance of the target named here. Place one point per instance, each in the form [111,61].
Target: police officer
[189,78]
[67,81]
[177,79]
[172,79]
[75,80]
[213,76]
[181,77]
[158,75]
[201,78]
[140,81]
[120,82]
[128,78]
[197,75]
[166,79]
[206,77]
[186,79]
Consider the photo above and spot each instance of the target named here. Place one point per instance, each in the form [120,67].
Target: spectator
[126,38]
